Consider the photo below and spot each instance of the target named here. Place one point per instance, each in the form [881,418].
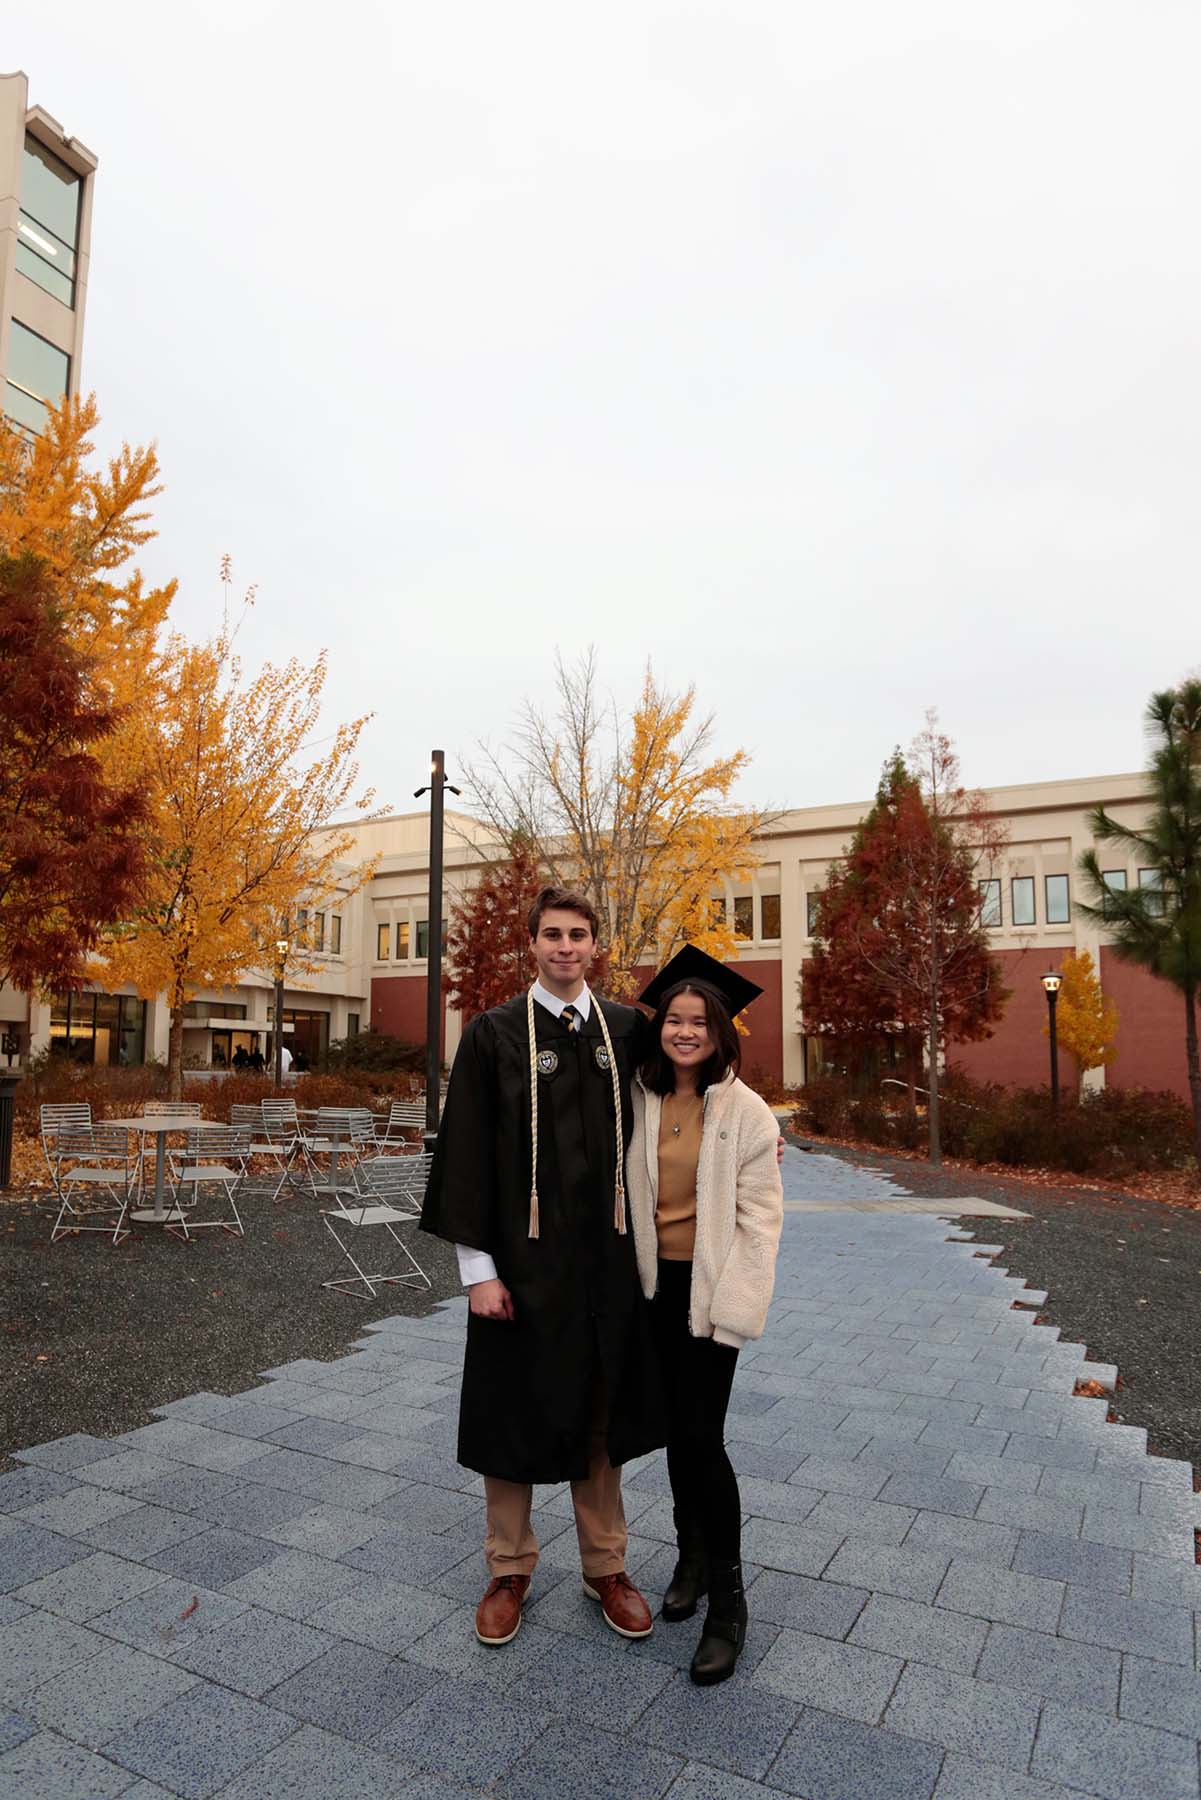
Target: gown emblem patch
[603,1059]
[548,1061]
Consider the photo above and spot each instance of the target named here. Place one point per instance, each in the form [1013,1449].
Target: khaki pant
[510,1546]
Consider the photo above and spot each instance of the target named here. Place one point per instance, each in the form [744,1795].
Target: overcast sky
[843,360]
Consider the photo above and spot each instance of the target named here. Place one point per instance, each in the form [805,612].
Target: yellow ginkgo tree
[1086,1018]
[236,802]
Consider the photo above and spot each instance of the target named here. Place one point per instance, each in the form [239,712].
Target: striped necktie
[570,1018]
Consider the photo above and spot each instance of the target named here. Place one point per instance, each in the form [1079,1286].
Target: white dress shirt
[477,1265]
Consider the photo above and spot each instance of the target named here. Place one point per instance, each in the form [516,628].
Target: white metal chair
[404,1117]
[213,1158]
[284,1134]
[55,1119]
[102,1158]
[391,1188]
[250,1119]
[164,1109]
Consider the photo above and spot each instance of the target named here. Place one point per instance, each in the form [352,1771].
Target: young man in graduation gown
[560,1381]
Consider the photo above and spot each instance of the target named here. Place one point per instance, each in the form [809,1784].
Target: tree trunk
[175,1055]
[1193,1063]
[932,1113]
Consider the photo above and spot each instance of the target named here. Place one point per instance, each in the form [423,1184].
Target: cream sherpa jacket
[739,1209]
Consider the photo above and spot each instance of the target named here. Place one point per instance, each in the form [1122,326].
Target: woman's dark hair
[658,1071]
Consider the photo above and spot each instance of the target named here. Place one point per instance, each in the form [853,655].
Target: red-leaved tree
[901,948]
[71,846]
[488,939]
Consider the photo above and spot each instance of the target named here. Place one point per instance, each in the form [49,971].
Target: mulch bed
[92,1335]
[1122,1274]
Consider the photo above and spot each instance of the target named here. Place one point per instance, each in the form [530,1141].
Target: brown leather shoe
[498,1615]
[623,1606]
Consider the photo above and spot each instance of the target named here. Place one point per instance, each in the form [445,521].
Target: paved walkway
[964,1582]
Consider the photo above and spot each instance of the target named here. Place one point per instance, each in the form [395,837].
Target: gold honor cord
[619,1189]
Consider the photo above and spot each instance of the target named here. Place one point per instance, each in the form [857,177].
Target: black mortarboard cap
[691,964]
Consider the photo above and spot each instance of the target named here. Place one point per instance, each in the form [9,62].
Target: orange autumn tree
[236,804]
[1086,1018]
[85,521]
[631,810]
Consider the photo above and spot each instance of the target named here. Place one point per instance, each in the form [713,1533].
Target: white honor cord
[619,1188]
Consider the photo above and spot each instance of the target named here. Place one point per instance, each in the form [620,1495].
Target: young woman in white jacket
[706,1206]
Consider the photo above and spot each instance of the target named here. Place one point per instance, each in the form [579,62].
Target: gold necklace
[673,1097]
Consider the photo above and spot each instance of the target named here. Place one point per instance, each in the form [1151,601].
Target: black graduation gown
[529,1382]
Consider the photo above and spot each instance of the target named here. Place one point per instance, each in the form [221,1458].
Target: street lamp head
[1052,982]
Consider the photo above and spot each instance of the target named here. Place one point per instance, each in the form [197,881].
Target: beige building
[46,182]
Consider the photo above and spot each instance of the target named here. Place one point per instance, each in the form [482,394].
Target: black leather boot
[725,1626]
[691,1578]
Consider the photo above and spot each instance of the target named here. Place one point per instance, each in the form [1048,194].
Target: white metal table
[158,1126]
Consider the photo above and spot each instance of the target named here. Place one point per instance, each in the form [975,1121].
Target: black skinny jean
[697,1377]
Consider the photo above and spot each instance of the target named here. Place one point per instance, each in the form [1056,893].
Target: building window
[812,902]
[39,374]
[423,939]
[1115,883]
[104,1029]
[1059,906]
[335,934]
[382,934]
[318,931]
[48,228]
[1150,883]
[200,1011]
[1021,899]
[990,904]
[744,916]
[769,915]
[352,1025]
[402,941]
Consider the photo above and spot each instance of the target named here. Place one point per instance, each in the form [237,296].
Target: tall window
[48,228]
[402,941]
[1059,905]
[105,1029]
[990,903]
[744,916]
[423,939]
[769,915]
[39,374]
[1021,899]
[1150,883]
[352,1024]
[382,934]
[812,902]
[335,934]
[318,931]
[1115,883]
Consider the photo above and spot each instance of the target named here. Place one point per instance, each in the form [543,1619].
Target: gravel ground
[93,1335]
[1123,1275]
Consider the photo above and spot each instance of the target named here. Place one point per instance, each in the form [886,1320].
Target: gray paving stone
[14,1729]
[954,1536]
[253,1652]
[326,1530]
[1146,1627]
[740,1729]
[250,1419]
[830,1758]
[1135,1531]
[92,1702]
[912,1574]
[464,1732]
[373,1450]
[918,1633]
[838,1678]
[995,1472]
[845,1515]
[798,1550]
[29,1552]
[1168,1579]
[198,1406]
[198,1743]
[131,1472]
[188,1490]
[834,1475]
[214,1558]
[40,1646]
[294,1582]
[47,1765]
[254,1509]
[25,1487]
[700,1783]
[414,1556]
[66,1453]
[1113,1758]
[1004,1595]
[967,1442]
[586,1680]
[1117,1493]
[896,1454]
[964,1778]
[1153,1694]
[977,1717]
[171,1612]
[787,1502]
[353,1690]
[78,1511]
[84,1589]
[1062,1453]
[432,1509]
[1077,1674]
[452,1648]
[822,1607]
[317,1765]
[1031,1512]
[936,1493]
[588,1765]
[387,1615]
[1072,1559]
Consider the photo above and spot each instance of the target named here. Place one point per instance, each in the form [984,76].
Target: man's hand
[490,1299]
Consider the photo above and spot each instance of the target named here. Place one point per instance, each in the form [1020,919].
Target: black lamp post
[281,961]
[1051,983]
[438,784]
